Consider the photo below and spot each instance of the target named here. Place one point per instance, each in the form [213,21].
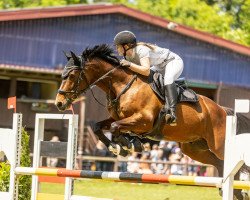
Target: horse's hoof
[114,148]
[117,150]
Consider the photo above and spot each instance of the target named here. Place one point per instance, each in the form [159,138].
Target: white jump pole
[10,144]
[237,149]
[71,148]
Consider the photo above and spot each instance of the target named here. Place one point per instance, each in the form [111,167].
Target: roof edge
[33,69]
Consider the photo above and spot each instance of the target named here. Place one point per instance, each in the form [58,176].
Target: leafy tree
[6,4]
[226,18]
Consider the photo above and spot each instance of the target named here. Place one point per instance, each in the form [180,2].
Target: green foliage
[227,19]
[6,4]
[24,181]
[4,177]
[244,16]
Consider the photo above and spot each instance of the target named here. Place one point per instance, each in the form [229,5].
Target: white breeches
[172,70]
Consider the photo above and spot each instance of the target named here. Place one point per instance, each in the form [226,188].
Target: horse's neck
[116,81]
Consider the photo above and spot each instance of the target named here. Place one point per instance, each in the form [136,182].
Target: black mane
[102,51]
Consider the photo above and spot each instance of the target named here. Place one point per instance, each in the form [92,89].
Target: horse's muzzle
[59,105]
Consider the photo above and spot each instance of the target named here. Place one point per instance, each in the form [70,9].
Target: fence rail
[118,160]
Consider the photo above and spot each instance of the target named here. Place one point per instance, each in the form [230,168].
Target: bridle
[73,94]
[76,91]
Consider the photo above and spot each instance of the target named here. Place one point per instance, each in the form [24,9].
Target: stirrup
[169,119]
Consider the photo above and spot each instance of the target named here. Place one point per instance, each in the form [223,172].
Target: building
[31,58]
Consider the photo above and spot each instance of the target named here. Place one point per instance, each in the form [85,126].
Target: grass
[132,191]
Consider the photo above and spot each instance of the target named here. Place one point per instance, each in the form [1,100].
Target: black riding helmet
[125,37]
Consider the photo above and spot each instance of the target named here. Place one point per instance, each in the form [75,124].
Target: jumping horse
[134,108]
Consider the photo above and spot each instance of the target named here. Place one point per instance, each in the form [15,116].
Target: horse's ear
[68,56]
[73,55]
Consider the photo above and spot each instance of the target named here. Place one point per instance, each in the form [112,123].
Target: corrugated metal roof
[79,10]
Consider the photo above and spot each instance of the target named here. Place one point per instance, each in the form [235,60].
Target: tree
[6,4]
[226,18]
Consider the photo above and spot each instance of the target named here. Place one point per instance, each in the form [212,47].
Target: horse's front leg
[137,123]
[130,143]
[98,130]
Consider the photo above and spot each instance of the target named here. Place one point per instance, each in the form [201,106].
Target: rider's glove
[125,63]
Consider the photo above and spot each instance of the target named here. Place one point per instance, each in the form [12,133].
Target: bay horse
[134,107]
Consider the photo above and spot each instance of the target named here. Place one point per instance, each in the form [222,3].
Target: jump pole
[131,177]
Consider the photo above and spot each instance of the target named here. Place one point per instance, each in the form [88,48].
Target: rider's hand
[125,63]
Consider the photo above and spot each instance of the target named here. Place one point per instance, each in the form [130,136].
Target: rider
[140,57]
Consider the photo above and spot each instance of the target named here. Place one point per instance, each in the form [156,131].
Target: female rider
[140,57]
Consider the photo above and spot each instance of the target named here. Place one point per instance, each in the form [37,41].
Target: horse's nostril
[59,104]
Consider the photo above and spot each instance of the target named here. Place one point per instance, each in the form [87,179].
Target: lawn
[132,191]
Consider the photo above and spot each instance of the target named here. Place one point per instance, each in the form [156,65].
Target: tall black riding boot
[171,101]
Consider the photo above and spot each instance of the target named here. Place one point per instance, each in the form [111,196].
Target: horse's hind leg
[199,151]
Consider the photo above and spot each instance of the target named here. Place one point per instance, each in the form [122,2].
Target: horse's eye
[72,77]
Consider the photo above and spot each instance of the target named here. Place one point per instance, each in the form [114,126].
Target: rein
[114,101]
[90,86]
[124,89]
[75,91]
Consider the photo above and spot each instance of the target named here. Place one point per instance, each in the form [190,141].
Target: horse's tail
[243,122]
[243,126]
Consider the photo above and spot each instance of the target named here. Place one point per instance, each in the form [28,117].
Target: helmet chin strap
[125,50]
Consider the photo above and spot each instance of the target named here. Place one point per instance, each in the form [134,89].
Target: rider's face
[120,50]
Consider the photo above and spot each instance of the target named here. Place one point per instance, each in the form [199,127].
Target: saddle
[185,94]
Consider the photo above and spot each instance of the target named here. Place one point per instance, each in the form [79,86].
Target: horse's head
[74,82]
[82,72]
